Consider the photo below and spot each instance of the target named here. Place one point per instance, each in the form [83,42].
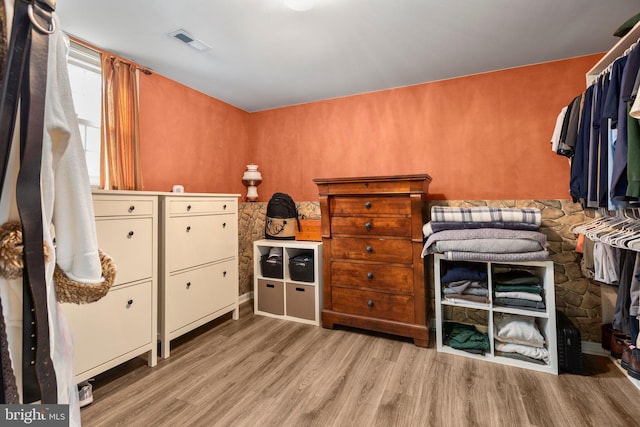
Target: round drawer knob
[188,285]
[224,225]
[132,208]
[367,225]
[188,207]
[224,274]
[130,234]
[188,228]
[370,303]
[369,249]
[224,206]
[129,303]
[367,205]
[370,275]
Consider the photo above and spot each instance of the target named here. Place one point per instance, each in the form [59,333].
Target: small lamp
[251,179]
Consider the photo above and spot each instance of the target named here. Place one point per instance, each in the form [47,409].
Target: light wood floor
[259,371]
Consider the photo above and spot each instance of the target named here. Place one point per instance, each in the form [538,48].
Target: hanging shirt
[579,165]
[619,174]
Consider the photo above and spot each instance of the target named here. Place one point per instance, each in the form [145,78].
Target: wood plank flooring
[260,371]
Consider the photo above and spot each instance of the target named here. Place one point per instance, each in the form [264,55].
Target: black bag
[282,218]
[569,344]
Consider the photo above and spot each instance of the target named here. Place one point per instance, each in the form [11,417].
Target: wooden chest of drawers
[372,238]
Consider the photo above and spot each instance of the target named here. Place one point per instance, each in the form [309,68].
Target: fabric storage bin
[301,267]
[271,266]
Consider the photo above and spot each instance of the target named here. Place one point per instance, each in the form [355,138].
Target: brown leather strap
[29,198]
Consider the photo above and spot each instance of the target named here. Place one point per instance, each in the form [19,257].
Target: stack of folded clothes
[465,337]
[485,234]
[518,337]
[519,289]
[465,282]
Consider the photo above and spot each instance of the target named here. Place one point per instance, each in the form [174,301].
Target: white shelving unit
[282,297]
[545,320]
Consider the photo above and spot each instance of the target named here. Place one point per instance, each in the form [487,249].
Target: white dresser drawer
[117,324]
[195,294]
[197,206]
[122,207]
[200,239]
[129,242]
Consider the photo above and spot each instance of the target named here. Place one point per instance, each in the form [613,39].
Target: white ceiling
[264,55]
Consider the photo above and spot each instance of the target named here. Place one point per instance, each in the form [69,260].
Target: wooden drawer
[367,205]
[373,304]
[197,293]
[378,277]
[118,323]
[122,207]
[371,187]
[129,241]
[196,206]
[200,239]
[371,249]
[371,226]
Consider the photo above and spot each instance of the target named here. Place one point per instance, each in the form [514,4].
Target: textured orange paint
[482,137]
[189,138]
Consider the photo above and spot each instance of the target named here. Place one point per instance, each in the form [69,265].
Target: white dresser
[121,325]
[198,262]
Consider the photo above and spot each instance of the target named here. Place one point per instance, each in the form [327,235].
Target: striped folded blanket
[486,214]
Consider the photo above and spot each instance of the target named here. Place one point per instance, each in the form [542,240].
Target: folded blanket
[519,295]
[516,277]
[485,256]
[485,214]
[456,273]
[525,350]
[520,303]
[536,289]
[468,291]
[485,240]
[518,356]
[467,298]
[433,227]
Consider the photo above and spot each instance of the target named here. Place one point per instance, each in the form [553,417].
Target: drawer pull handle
[130,234]
[224,274]
[370,275]
[224,225]
[366,185]
[188,208]
[367,226]
[370,303]
[188,285]
[224,206]
[367,205]
[300,289]
[129,303]
[269,285]
[131,208]
[369,249]
[188,228]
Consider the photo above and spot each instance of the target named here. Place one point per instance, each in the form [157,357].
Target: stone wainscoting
[576,295]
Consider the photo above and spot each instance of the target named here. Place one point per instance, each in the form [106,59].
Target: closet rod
[617,50]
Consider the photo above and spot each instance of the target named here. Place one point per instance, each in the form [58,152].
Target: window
[86,86]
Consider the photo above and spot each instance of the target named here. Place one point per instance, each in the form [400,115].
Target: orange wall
[189,138]
[481,137]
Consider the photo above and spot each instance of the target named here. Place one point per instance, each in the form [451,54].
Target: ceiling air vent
[189,40]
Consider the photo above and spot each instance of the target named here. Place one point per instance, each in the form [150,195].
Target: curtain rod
[88,45]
